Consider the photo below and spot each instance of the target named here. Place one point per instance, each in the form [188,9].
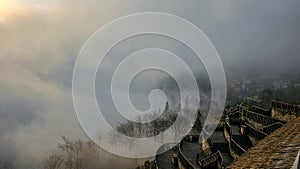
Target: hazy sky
[40,40]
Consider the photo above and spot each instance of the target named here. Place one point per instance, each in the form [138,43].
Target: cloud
[40,40]
[35,100]
[38,48]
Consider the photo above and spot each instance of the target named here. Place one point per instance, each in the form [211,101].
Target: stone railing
[228,128]
[212,158]
[285,106]
[259,118]
[240,108]
[235,118]
[206,134]
[255,132]
[261,111]
[231,110]
[272,127]
[236,147]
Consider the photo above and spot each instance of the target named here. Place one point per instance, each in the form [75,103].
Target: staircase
[190,151]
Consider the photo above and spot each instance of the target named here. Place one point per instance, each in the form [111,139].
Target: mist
[40,41]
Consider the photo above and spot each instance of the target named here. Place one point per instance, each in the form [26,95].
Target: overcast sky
[40,41]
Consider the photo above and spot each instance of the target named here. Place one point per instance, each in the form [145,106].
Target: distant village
[248,91]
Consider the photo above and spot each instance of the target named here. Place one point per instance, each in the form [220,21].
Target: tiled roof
[277,150]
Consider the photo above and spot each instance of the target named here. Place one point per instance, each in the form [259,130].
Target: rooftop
[277,150]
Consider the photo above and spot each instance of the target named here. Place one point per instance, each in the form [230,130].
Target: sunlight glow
[7,8]
[10,7]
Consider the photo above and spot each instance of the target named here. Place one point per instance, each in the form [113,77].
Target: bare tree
[156,125]
[77,154]
[53,162]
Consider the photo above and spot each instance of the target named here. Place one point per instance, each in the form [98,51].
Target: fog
[40,41]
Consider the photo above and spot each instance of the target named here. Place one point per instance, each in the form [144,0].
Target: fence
[285,106]
[262,119]
[261,111]
[212,158]
[255,133]
[272,127]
